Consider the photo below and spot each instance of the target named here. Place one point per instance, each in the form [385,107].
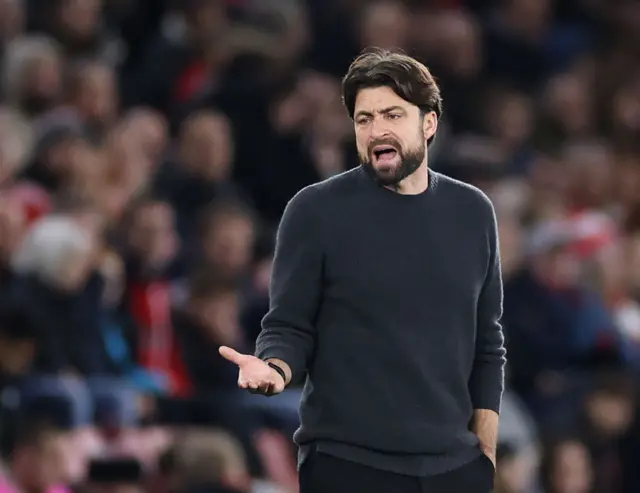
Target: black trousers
[323,473]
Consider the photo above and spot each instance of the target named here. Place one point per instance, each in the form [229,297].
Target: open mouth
[384,153]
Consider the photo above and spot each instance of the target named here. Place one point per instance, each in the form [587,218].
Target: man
[386,295]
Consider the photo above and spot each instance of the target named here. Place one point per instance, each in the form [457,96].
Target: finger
[262,388]
[232,355]
[278,387]
[268,391]
[242,383]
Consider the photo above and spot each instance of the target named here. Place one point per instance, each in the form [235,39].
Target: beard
[409,161]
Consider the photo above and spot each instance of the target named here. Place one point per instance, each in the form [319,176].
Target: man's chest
[406,261]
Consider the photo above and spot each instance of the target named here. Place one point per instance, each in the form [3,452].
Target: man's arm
[487,377]
[288,330]
[485,426]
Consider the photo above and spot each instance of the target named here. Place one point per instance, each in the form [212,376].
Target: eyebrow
[382,111]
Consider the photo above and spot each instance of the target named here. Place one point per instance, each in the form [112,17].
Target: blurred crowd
[147,150]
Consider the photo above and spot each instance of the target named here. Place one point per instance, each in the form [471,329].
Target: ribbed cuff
[286,354]
[486,386]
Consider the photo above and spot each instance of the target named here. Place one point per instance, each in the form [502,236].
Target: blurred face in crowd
[153,235]
[206,146]
[528,17]
[42,84]
[385,24]
[512,119]
[228,243]
[80,169]
[129,164]
[391,134]
[149,130]
[610,414]
[96,98]
[515,473]
[206,20]
[11,18]
[79,19]
[16,355]
[626,108]
[571,469]
[458,39]
[16,142]
[568,102]
[590,168]
[39,467]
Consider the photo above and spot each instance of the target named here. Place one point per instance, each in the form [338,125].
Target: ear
[429,125]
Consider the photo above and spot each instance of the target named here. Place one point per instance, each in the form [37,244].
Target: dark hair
[406,76]
[14,324]
[36,432]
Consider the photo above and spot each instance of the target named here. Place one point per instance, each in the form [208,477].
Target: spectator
[567,468]
[575,328]
[58,262]
[203,170]
[33,75]
[228,239]
[37,463]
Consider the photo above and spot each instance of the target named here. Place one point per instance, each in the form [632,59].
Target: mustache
[386,142]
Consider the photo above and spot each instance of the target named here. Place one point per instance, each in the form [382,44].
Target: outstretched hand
[254,374]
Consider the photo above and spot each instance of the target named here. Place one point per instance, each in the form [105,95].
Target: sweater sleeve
[288,329]
[487,377]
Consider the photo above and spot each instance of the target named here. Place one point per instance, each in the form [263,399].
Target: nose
[379,129]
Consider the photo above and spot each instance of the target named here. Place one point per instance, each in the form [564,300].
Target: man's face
[229,243]
[153,234]
[97,97]
[391,134]
[206,147]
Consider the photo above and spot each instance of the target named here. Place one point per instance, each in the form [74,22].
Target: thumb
[232,355]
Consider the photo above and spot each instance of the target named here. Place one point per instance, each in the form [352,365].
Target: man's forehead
[376,99]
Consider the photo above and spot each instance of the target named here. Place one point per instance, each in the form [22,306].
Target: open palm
[254,374]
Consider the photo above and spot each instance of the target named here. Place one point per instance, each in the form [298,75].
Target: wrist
[279,370]
[284,367]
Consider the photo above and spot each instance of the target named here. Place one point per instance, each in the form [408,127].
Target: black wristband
[279,370]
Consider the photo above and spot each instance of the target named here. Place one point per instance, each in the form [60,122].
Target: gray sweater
[388,307]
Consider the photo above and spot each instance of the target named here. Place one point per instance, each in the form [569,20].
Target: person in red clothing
[152,246]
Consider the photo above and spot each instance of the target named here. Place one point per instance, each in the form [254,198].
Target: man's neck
[414,184]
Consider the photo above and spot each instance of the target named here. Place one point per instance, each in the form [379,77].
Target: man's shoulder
[464,194]
[330,188]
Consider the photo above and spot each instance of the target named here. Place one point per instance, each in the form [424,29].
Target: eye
[363,120]
[394,116]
